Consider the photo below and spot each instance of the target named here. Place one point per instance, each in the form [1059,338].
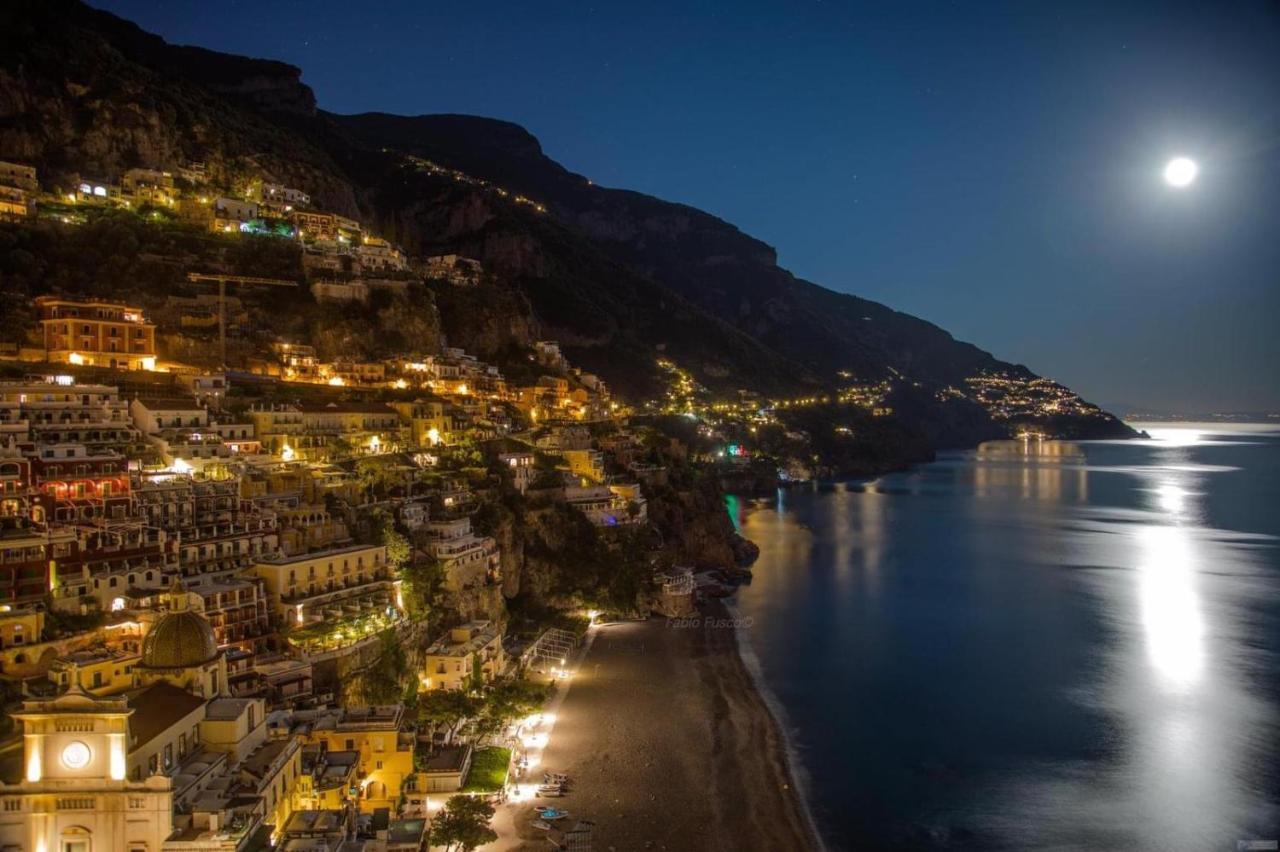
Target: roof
[312,821]
[346,408]
[406,830]
[261,759]
[282,559]
[158,708]
[450,759]
[170,403]
[178,640]
[225,709]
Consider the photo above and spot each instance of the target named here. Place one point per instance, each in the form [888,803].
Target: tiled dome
[180,638]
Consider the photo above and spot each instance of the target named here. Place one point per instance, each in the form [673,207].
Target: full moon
[1180,172]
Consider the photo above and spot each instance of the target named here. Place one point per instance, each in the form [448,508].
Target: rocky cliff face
[698,256]
[618,277]
[85,93]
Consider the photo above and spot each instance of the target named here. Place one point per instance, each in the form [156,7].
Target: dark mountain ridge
[702,257]
[618,276]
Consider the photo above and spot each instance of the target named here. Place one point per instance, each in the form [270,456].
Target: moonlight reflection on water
[1035,644]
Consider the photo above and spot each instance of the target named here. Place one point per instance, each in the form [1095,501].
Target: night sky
[994,169]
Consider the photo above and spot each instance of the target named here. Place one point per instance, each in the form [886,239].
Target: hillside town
[229,598]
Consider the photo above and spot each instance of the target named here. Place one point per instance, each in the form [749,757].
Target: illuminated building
[468,560]
[522,468]
[100,671]
[306,588]
[217,533]
[13,203]
[378,735]
[20,627]
[148,186]
[311,430]
[74,794]
[608,506]
[281,197]
[19,176]
[180,649]
[377,255]
[104,773]
[97,333]
[455,269]
[457,656]
[431,421]
[312,225]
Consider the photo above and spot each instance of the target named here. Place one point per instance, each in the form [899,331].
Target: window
[168,755]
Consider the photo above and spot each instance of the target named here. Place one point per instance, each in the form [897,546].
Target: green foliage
[463,824]
[397,545]
[604,572]
[378,478]
[422,577]
[447,708]
[384,682]
[488,770]
[508,700]
[58,623]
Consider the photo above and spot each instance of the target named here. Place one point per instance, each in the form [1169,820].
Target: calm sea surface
[1033,646]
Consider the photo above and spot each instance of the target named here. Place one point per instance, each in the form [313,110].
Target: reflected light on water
[1170,608]
[1123,662]
[1176,436]
[1171,498]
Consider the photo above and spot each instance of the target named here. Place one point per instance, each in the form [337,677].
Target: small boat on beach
[551,813]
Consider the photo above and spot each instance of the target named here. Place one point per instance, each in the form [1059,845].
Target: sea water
[1033,644]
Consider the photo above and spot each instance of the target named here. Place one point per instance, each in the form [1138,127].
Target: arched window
[75,838]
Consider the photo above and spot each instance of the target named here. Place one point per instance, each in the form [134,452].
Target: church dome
[179,639]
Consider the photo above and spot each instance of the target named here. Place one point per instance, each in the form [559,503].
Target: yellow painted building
[74,793]
[453,658]
[20,626]
[100,671]
[386,751]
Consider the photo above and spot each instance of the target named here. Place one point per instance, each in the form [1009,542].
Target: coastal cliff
[618,277]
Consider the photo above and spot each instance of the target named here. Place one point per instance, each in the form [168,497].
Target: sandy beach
[670,746]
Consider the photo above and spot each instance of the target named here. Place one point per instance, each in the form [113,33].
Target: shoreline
[801,781]
[671,745]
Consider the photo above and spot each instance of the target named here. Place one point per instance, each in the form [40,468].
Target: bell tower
[73,795]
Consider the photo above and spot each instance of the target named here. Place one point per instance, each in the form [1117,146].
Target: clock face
[75,755]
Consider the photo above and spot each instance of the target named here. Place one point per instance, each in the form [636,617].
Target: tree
[397,545]
[340,448]
[384,681]
[507,701]
[377,478]
[420,581]
[446,708]
[463,824]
